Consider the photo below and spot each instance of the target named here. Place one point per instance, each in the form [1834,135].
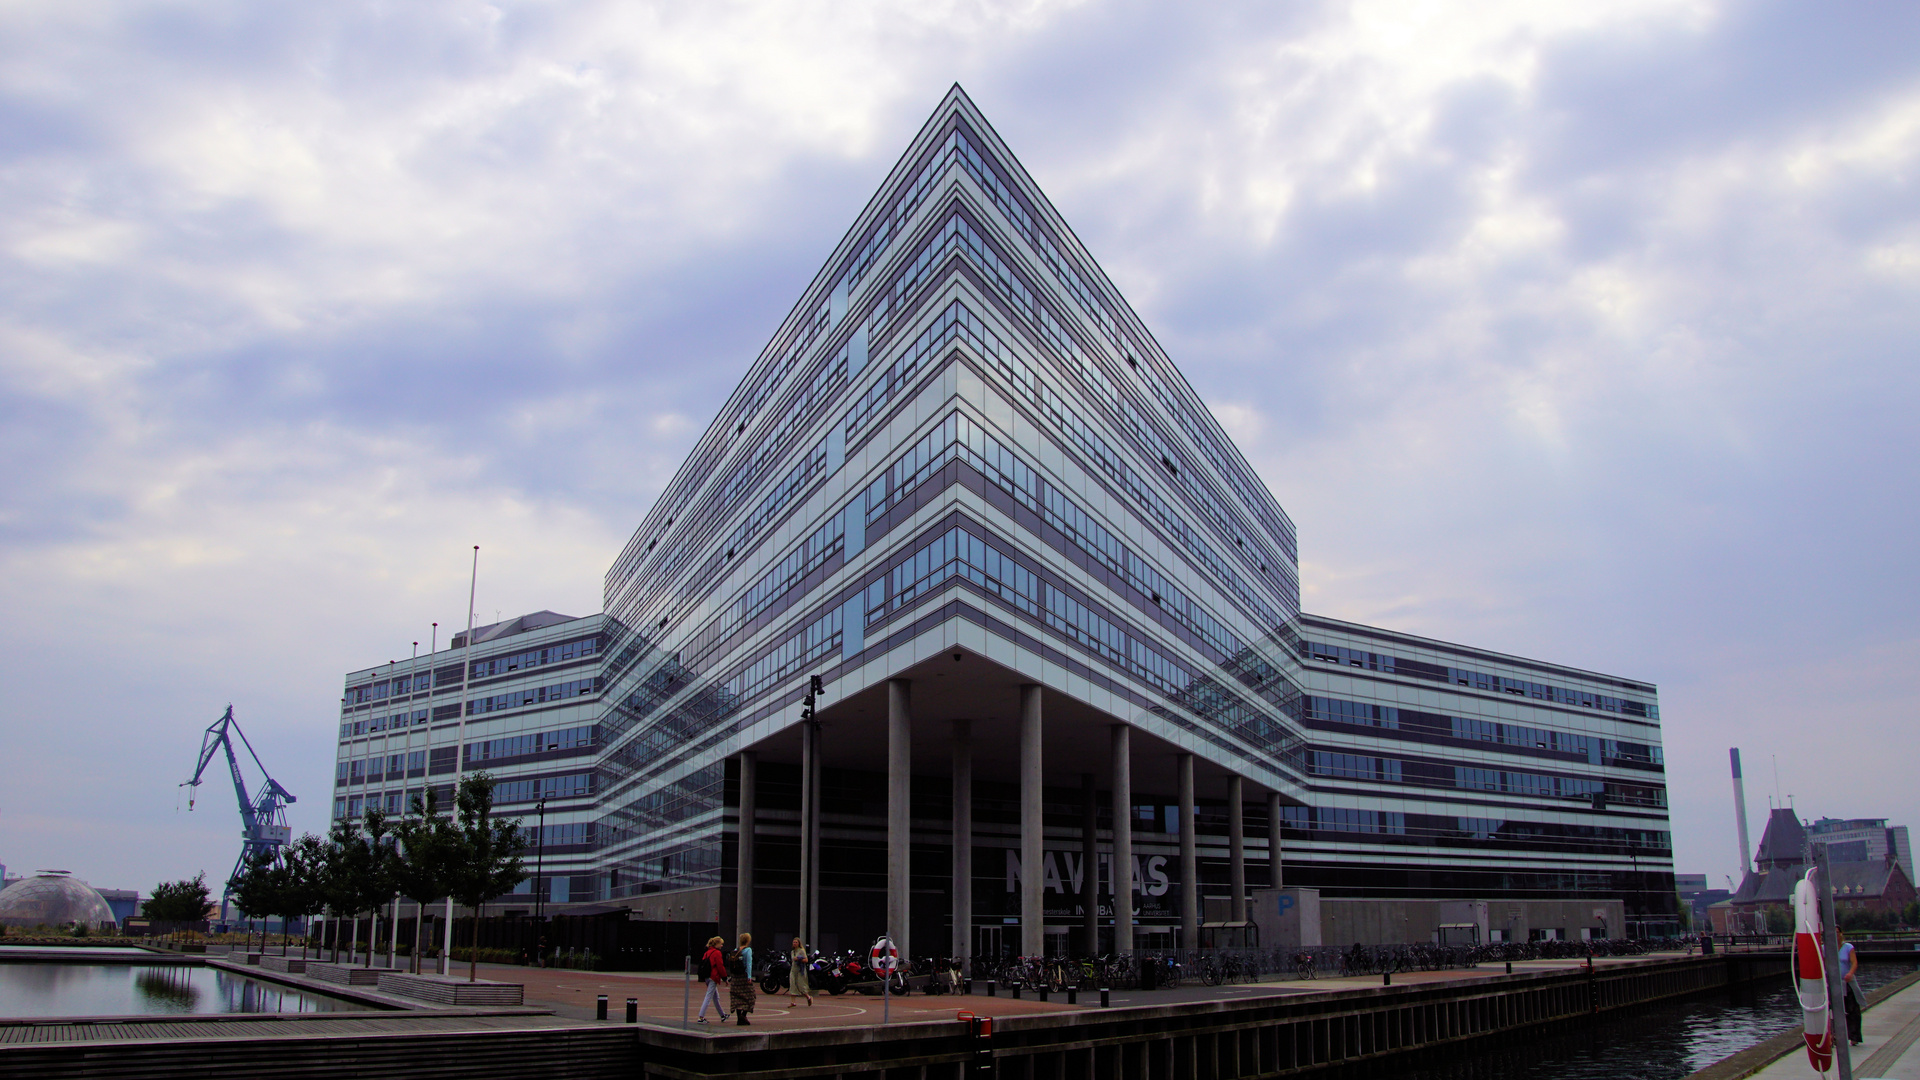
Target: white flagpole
[460,742]
[426,782]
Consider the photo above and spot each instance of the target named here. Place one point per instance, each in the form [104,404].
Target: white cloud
[1578,330]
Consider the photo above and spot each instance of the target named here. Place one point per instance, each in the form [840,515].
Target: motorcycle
[774,978]
[824,975]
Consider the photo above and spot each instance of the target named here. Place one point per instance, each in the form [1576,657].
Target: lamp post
[540,862]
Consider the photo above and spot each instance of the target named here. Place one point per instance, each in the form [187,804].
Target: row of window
[958,553]
[1533,834]
[552,654]
[1472,778]
[1597,750]
[419,682]
[960,438]
[373,725]
[575,786]
[533,742]
[372,770]
[1479,680]
[516,698]
[699,792]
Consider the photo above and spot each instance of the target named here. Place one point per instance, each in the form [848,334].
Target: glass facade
[962,441]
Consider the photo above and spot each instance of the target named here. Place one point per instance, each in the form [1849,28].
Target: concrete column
[743,878]
[808,794]
[963,844]
[1237,846]
[1189,860]
[1274,880]
[1033,890]
[1122,838]
[1089,864]
[899,811]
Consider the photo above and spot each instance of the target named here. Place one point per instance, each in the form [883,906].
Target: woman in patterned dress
[741,992]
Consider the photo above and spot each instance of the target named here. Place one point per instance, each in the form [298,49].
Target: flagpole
[460,741]
[426,784]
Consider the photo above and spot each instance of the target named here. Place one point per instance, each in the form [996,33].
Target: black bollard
[1016,991]
[990,987]
[966,986]
[1104,991]
[1073,995]
[633,1010]
[600,1008]
[1509,967]
[1042,992]
[1386,978]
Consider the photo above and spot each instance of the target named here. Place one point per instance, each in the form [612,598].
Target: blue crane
[263,819]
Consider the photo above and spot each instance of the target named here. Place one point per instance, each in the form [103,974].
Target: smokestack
[1740,813]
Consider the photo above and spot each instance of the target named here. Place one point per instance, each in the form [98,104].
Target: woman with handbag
[741,992]
[797,985]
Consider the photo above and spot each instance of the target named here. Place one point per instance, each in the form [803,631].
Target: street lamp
[540,861]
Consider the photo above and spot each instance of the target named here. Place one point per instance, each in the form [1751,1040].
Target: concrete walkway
[1891,1028]
[658,997]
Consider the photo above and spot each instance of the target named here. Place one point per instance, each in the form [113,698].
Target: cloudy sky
[1584,332]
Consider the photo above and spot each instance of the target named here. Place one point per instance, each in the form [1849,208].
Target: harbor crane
[263,819]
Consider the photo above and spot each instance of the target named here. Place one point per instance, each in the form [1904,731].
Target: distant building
[124,902]
[1786,850]
[1693,890]
[532,720]
[1863,840]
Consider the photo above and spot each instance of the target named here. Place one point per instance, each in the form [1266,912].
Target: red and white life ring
[883,958]
[1810,973]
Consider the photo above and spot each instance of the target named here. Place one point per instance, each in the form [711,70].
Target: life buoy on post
[883,958]
[1810,973]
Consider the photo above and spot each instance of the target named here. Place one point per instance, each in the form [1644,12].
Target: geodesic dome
[53,898]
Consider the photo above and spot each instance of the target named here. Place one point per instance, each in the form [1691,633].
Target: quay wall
[1239,1039]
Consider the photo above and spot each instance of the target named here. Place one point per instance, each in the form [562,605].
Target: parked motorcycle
[774,977]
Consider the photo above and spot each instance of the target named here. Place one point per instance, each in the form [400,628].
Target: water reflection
[167,989]
[1653,1042]
[52,989]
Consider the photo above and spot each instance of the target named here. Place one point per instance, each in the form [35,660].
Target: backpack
[737,965]
[706,968]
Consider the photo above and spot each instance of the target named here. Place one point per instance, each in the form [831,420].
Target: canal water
[35,989]
[1664,1041]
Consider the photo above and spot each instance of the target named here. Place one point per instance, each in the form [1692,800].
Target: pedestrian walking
[741,991]
[1849,969]
[713,968]
[797,985]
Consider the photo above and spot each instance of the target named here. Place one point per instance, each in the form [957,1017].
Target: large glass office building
[1056,620]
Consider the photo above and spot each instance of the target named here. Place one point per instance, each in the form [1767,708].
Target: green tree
[255,889]
[176,902]
[305,894]
[346,870]
[1779,919]
[377,886]
[359,873]
[488,863]
[429,846]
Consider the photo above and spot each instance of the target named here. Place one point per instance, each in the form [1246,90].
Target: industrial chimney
[1740,813]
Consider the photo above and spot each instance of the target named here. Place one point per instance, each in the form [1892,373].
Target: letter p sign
[1286,903]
